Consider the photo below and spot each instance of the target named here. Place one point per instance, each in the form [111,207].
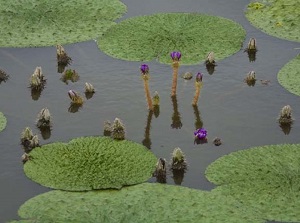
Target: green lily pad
[289,76]
[3,121]
[30,23]
[280,18]
[145,38]
[140,203]
[88,163]
[265,178]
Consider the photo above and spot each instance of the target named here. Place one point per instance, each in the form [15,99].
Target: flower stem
[175,75]
[198,87]
[148,96]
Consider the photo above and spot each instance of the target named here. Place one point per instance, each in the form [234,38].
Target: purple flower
[175,56]
[200,133]
[199,77]
[144,69]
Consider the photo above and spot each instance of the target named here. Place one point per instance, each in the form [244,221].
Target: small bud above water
[250,78]
[178,161]
[89,88]
[285,115]
[118,130]
[44,118]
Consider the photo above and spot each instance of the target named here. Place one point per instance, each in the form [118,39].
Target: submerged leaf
[3,121]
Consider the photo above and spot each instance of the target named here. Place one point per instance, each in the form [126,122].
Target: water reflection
[176,119]
[198,120]
[61,68]
[178,176]
[147,141]
[210,68]
[286,128]
[3,76]
[89,95]
[36,93]
[251,55]
[45,132]
[74,107]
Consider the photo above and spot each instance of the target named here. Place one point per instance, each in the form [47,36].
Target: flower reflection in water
[147,141]
[176,119]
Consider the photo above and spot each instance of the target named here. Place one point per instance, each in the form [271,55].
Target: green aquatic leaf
[31,23]
[3,121]
[90,163]
[145,38]
[280,18]
[289,76]
[265,178]
[140,203]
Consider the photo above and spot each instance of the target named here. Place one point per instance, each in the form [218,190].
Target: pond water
[240,115]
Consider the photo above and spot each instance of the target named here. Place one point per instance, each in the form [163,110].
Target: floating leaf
[50,22]
[280,18]
[140,203]
[289,76]
[265,178]
[145,38]
[90,163]
[3,121]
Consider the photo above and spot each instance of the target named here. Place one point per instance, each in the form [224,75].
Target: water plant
[175,55]
[146,202]
[178,161]
[44,119]
[250,78]
[144,68]
[75,97]
[201,133]
[285,115]
[161,170]
[3,76]
[62,57]
[88,163]
[107,129]
[198,86]
[3,122]
[28,140]
[264,177]
[70,75]
[148,37]
[37,80]
[251,49]
[33,23]
[118,130]
[89,88]
[289,76]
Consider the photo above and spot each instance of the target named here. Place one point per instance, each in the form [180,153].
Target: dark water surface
[241,116]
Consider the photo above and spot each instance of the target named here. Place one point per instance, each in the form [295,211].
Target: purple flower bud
[175,55]
[144,69]
[200,133]
[199,77]
[72,94]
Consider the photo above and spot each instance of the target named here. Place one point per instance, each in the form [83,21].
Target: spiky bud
[89,88]
[118,130]
[25,157]
[161,170]
[26,134]
[107,128]
[210,59]
[285,116]
[252,45]
[34,142]
[62,57]
[75,97]
[250,78]
[156,99]
[178,161]
[44,118]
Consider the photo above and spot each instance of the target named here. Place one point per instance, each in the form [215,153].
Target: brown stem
[175,75]
[148,96]
[196,96]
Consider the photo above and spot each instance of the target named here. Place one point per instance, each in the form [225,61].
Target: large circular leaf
[144,38]
[140,203]
[90,163]
[50,22]
[3,121]
[265,178]
[289,76]
[280,18]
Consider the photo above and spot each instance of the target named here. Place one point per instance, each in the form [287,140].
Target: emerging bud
[75,97]
[155,99]
[62,57]
[199,77]
[285,116]
[200,133]
[38,72]
[37,80]
[3,76]
[44,118]
[89,88]
[34,142]
[175,55]
[250,78]
[252,45]
[161,171]
[107,128]
[26,134]
[144,69]
[70,75]
[178,161]
[118,130]
[25,157]
[217,141]
[210,59]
